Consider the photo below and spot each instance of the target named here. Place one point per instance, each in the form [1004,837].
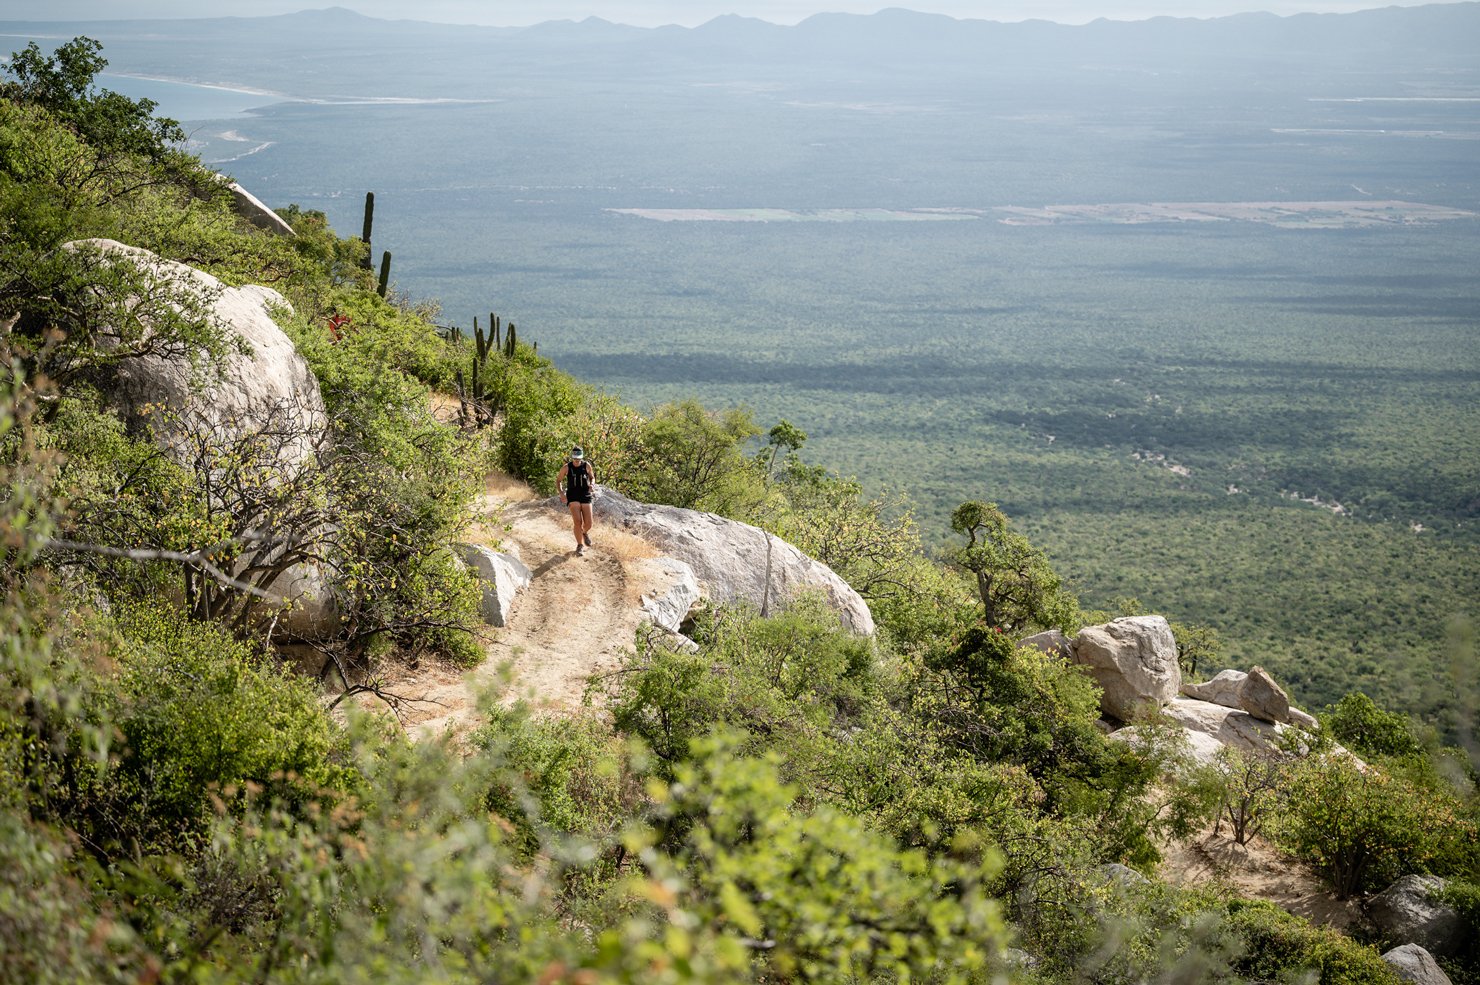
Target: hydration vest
[578,481]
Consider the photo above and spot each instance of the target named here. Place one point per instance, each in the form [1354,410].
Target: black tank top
[578,482]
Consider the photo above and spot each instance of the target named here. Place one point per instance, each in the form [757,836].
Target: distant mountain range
[1438,40]
[1434,27]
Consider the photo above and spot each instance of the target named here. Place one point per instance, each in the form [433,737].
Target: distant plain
[1257,412]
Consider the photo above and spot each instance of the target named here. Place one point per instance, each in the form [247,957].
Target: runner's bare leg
[575,520]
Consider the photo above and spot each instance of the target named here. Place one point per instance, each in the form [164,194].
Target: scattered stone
[503,575]
[731,559]
[1053,642]
[1134,660]
[1261,697]
[1413,963]
[1405,912]
[1221,690]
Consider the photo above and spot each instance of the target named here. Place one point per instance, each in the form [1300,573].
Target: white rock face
[729,558]
[670,608]
[503,576]
[1414,964]
[1200,748]
[1404,912]
[272,382]
[272,377]
[1261,697]
[1230,727]
[1134,660]
[251,208]
[1221,690]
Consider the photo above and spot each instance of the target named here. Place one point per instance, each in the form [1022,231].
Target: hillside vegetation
[787,804]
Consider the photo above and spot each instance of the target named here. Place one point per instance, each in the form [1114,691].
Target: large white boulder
[1134,660]
[1196,748]
[1413,963]
[733,561]
[1231,727]
[170,394]
[503,576]
[267,389]
[1406,912]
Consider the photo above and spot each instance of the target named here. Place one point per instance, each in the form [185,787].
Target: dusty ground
[577,618]
[1259,871]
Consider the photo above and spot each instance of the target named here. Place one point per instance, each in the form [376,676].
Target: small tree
[62,83]
[1017,586]
[784,435]
[694,458]
[1249,784]
[1361,827]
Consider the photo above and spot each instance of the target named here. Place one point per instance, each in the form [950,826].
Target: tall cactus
[385,272]
[511,344]
[480,398]
[369,222]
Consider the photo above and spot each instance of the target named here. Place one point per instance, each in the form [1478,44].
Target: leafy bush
[1363,828]
[198,712]
[1276,945]
[692,457]
[1357,722]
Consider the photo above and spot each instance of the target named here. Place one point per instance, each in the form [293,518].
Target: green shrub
[1366,729]
[1363,828]
[1277,946]
[200,712]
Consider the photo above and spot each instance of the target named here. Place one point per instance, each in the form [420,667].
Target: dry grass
[503,486]
[620,544]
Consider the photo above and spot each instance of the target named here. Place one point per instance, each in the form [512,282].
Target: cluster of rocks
[1134,661]
[1410,910]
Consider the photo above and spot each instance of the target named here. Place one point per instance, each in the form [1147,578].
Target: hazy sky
[654,12]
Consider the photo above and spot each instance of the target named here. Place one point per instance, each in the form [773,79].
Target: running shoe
[588,539]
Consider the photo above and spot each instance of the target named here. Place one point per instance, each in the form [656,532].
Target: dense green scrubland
[787,804]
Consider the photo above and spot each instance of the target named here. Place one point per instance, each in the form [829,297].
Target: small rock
[1405,912]
[1122,875]
[1053,642]
[1261,697]
[503,577]
[1221,690]
[1304,721]
[1414,964]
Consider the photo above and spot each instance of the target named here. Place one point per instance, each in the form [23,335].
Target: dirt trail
[576,618]
[1259,871]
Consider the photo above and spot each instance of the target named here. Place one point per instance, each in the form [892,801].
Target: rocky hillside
[271,540]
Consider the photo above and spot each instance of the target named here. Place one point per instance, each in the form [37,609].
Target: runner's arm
[560,480]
